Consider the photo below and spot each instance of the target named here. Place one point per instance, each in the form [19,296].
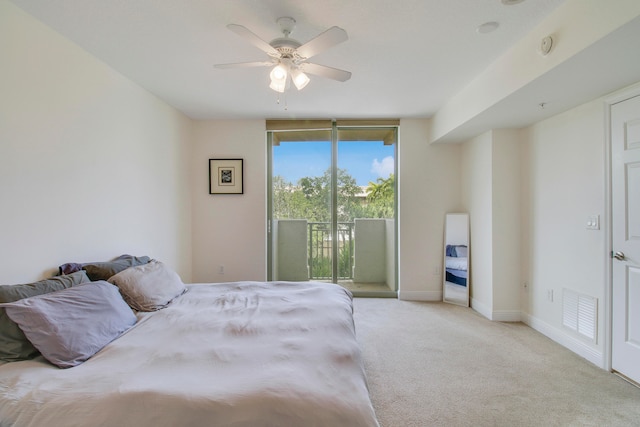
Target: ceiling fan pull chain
[284,96]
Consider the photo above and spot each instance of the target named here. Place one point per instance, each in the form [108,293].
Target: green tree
[282,197]
[310,198]
[380,196]
[348,202]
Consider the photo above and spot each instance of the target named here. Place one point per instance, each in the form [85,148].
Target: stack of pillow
[68,318]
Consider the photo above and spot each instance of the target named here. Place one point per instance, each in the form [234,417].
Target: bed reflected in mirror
[456,284]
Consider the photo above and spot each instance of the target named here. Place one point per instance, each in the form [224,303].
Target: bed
[456,264]
[228,354]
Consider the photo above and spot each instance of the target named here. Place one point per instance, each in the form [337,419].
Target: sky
[366,161]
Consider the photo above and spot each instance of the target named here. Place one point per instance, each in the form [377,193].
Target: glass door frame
[335,128]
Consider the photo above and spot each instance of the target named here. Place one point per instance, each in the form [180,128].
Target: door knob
[619,256]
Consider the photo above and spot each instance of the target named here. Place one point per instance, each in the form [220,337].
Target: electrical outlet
[221,269]
[550,295]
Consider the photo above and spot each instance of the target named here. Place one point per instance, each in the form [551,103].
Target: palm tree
[380,195]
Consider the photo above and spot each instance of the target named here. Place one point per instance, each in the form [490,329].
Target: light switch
[593,222]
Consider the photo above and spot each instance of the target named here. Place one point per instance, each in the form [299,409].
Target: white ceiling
[408,57]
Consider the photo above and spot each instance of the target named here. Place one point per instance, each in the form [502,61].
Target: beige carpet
[436,364]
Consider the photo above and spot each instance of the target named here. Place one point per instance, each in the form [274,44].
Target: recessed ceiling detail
[487,27]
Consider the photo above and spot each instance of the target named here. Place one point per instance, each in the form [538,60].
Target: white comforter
[456,263]
[234,354]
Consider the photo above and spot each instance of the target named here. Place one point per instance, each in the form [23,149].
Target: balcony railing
[320,250]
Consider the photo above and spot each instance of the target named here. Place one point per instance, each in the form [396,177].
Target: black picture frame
[226,176]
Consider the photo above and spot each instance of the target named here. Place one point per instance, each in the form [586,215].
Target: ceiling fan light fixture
[278,85]
[278,73]
[299,78]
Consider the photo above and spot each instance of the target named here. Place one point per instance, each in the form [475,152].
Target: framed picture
[225,176]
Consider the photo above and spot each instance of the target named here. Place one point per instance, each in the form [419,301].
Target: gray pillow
[148,287]
[70,326]
[104,270]
[14,345]
[462,251]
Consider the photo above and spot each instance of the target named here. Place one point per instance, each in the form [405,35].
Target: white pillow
[462,251]
[148,287]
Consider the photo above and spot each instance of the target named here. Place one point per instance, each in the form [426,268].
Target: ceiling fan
[288,57]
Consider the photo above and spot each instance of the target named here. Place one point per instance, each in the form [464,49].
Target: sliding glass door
[331,206]
[300,200]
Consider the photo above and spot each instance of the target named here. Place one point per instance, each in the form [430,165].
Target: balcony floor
[364,287]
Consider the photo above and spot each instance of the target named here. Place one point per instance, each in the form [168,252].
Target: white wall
[229,230]
[477,196]
[491,194]
[390,259]
[429,179]
[529,193]
[563,162]
[290,250]
[507,224]
[91,165]
[369,255]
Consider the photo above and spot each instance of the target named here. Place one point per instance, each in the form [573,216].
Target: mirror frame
[456,233]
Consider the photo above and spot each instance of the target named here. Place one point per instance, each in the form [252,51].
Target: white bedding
[456,263]
[234,354]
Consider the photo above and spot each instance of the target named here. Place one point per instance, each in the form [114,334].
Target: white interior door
[625,179]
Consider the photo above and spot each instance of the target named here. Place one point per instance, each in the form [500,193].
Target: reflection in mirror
[455,289]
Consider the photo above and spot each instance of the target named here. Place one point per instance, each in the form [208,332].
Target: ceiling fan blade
[324,71]
[245,64]
[253,39]
[323,41]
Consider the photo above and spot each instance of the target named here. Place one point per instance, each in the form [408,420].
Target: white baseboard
[507,316]
[481,308]
[420,295]
[497,315]
[580,348]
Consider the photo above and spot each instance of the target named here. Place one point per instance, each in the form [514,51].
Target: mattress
[232,354]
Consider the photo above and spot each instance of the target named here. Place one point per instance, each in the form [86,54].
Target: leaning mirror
[456,284]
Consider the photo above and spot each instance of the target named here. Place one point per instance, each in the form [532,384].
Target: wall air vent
[580,313]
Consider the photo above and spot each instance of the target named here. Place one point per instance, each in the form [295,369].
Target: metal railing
[320,250]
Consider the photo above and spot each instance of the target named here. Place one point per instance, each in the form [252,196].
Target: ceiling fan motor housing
[287,47]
